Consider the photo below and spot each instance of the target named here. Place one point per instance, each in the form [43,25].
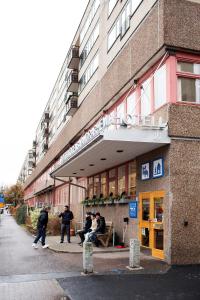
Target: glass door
[151,214]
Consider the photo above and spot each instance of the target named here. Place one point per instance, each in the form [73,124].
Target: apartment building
[120,132]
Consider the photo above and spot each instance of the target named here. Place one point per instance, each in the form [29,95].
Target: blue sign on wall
[133,208]
[158,168]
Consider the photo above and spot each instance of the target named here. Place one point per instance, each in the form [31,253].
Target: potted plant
[101,201]
[117,199]
[110,199]
[123,198]
[94,200]
[86,201]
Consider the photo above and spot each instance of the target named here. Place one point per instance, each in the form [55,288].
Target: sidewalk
[74,247]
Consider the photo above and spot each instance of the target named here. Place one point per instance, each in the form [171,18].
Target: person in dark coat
[41,228]
[101,228]
[66,216]
[86,229]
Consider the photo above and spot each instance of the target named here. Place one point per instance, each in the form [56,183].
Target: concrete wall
[185,190]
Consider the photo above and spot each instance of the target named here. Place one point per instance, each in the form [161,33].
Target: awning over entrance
[112,147]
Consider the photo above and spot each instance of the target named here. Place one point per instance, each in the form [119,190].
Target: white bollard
[87,258]
[134,255]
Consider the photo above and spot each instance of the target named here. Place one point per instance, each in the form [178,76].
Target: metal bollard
[134,255]
[87,258]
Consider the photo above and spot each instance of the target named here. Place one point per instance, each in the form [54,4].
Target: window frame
[187,75]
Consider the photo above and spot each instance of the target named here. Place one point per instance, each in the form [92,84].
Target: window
[134,5]
[125,18]
[111,5]
[103,184]
[90,187]
[189,87]
[89,72]
[120,111]
[132,178]
[131,104]
[121,179]
[97,185]
[160,87]
[90,43]
[90,17]
[114,33]
[189,67]
[112,181]
[146,98]
[189,90]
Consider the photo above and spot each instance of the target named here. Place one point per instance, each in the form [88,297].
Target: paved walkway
[73,247]
[27,273]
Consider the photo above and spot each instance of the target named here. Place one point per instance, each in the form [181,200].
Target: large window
[122,23]
[90,17]
[125,18]
[97,185]
[131,104]
[160,90]
[146,98]
[111,5]
[189,82]
[121,179]
[89,72]
[114,33]
[103,184]
[132,178]
[112,181]
[90,43]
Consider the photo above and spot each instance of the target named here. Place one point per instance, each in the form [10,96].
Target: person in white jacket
[92,228]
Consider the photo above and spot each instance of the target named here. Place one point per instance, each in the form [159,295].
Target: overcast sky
[35,36]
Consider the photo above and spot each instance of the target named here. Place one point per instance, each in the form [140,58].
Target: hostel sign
[125,120]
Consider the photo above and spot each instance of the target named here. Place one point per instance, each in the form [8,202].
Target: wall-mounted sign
[133,208]
[158,168]
[145,171]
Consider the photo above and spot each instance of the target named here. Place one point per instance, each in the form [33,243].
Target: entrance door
[151,222]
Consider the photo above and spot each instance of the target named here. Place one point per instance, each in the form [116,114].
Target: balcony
[46,117]
[71,105]
[72,82]
[31,164]
[44,147]
[34,144]
[74,58]
[46,132]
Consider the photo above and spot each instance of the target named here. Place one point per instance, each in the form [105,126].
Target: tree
[14,194]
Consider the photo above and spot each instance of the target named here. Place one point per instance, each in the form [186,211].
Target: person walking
[41,228]
[88,224]
[66,216]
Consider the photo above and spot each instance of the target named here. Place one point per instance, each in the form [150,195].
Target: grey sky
[35,37]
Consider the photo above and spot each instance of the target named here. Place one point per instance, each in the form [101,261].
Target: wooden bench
[105,238]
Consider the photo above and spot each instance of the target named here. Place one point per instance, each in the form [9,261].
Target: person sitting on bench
[92,228]
[88,223]
[101,228]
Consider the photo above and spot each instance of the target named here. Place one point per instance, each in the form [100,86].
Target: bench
[105,238]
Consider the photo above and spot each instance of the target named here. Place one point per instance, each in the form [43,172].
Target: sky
[35,36]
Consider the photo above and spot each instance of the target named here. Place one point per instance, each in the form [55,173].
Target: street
[27,273]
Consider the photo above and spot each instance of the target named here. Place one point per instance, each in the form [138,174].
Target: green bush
[34,218]
[21,213]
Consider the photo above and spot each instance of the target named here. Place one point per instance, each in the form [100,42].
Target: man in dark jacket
[88,223]
[66,216]
[101,228]
[41,228]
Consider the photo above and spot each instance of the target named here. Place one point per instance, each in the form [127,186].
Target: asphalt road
[179,283]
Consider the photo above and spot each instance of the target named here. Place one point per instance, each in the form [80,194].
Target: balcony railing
[72,82]
[46,117]
[45,147]
[46,132]
[74,58]
[71,105]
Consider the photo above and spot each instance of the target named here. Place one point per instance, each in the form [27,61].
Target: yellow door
[151,222]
